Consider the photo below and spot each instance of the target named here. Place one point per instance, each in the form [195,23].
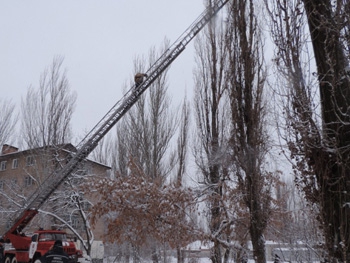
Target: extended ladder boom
[88,144]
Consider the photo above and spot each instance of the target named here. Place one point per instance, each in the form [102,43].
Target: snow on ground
[187,260]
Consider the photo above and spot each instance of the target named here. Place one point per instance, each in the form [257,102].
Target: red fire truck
[18,247]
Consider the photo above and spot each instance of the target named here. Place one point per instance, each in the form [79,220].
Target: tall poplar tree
[249,139]
[212,127]
[317,109]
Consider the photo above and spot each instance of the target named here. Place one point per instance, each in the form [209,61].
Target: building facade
[23,172]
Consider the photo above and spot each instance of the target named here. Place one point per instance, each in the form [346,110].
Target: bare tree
[319,125]
[46,119]
[249,140]
[8,120]
[212,129]
[47,110]
[70,205]
[181,163]
[152,125]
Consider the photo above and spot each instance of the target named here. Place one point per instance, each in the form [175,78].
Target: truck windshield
[52,236]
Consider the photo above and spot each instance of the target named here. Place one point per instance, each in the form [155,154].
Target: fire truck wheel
[37,260]
[14,260]
[8,260]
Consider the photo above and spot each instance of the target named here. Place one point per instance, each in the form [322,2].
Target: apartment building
[22,172]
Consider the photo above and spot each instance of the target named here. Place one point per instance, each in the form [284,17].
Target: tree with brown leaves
[142,211]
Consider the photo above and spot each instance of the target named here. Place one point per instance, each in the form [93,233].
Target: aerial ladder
[88,144]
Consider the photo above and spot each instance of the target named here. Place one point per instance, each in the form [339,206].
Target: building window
[28,181]
[86,205]
[3,165]
[9,223]
[30,161]
[13,182]
[1,185]
[14,163]
[75,222]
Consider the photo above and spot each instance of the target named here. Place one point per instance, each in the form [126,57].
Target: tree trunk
[216,253]
[180,258]
[258,243]
[155,258]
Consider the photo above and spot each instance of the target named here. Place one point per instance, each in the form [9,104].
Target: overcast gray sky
[98,40]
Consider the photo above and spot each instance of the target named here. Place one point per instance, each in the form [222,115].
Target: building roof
[9,151]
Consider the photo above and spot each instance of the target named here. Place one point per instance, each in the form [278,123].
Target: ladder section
[122,106]
[87,145]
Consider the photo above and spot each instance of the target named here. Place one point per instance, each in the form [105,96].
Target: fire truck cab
[26,249]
